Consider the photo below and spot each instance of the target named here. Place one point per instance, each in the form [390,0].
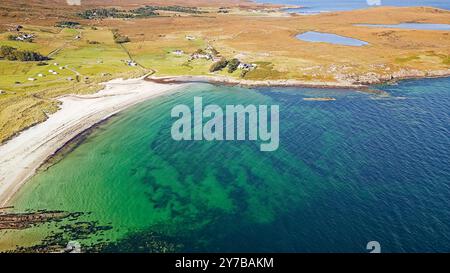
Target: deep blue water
[385,165]
[349,171]
[364,168]
[313,36]
[317,6]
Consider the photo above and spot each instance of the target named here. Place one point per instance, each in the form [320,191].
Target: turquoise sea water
[347,172]
[318,6]
[314,36]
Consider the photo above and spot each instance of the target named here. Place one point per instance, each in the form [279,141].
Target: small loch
[321,37]
[412,26]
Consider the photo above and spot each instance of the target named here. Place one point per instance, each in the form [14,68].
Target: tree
[233,65]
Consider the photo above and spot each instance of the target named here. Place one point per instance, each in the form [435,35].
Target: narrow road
[56,51]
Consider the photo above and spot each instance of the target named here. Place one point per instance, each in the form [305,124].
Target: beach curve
[21,156]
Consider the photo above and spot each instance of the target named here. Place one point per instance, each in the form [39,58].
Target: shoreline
[362,83]
[23,155]
[224,80]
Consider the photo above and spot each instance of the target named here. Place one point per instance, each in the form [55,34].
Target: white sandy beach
[21,156]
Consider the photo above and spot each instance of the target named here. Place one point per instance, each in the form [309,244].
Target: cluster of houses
[21,36]
[24,37]
[245,66]
[58,66]
[206,56]
[51,72]
[211,54]
[54,72]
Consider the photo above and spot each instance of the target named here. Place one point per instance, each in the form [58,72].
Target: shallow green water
[349,171]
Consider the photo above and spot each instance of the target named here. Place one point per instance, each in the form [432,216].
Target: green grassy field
[79,65]
[158,54]
[29,88]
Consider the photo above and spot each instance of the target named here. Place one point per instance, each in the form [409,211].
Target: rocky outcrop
[342,79]
[371,78]
[26,220]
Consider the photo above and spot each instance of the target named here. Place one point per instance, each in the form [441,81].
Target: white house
[178,52]
[201,56]
[131,63]
[31,79]
[245,66]
[24,37]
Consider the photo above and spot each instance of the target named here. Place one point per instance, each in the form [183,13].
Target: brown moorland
[271,41]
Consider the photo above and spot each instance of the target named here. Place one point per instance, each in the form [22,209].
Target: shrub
[217,66]
[68,24]
[13,54]
[119,38]
[122,39]
[233,65]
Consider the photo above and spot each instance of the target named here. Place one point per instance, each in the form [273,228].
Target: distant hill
[125,3]
[47,12]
